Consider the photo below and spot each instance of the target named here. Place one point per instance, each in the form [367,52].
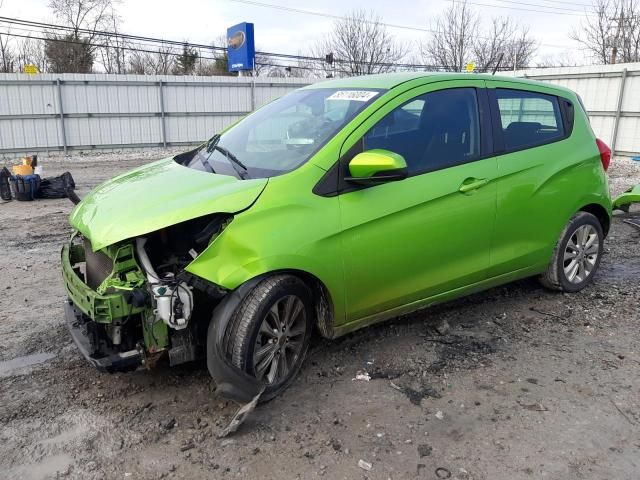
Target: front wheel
[576,256]
[270,332]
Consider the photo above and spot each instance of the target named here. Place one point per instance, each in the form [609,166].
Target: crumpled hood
[155,196]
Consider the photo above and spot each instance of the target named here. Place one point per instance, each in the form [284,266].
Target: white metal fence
[81,112]
[611,94]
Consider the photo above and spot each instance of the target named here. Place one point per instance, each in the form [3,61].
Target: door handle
[472,184]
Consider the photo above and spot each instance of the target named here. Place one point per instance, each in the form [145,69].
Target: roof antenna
[495,69]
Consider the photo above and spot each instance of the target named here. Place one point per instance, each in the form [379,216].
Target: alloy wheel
[280,340]
[581,254]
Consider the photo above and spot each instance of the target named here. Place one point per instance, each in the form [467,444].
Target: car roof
[388,81]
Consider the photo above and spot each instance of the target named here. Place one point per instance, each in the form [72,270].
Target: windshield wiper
[234,161]
[212,145]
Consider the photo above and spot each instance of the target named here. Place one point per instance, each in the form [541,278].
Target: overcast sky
[202,21]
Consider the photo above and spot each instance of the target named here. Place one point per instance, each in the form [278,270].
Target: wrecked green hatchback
[337,206]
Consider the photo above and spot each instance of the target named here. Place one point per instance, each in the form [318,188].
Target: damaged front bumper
[93,314]
[111,330]
[79,327]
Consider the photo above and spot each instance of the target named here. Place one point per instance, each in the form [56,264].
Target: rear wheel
[270,332]
[576,256]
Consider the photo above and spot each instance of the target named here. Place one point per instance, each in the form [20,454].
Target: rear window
[528,118]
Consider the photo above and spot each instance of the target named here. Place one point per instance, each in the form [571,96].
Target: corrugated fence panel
[20,134]
[628,133]
[110,111]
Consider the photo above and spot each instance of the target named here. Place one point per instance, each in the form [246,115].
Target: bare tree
[31,52]
[457,39]
[360,45]
[451,44]
[87,18]
[161,62]
[7,55]
[92,15]
[507,39]
[563,59]
[113,54]
[611,34]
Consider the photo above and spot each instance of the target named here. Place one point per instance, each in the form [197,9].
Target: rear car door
[534,161]
[430,233]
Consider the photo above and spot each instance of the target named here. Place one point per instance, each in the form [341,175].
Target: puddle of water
[621,271]
[8,367]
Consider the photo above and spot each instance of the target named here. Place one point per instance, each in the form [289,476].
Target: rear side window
[528,118]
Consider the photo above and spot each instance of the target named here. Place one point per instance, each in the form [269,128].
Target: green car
[342,204]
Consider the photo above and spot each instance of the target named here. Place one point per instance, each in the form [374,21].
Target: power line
[582,12]
[258,62]
[578,4]
[390,25]
[164,42]
[520,9]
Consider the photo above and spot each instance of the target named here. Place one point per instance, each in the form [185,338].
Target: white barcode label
[354,95]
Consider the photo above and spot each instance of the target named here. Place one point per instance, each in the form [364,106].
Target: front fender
[281,232]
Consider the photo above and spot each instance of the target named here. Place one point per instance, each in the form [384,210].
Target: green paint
[622,202]
[372,162]
[102,307]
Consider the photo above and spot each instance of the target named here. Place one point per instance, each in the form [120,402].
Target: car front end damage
[132,303]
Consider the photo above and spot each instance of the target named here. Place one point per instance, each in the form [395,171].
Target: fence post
[61,111]
[614,139]
[164,127]
[253,94]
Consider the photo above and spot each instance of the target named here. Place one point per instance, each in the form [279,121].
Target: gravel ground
[512,383]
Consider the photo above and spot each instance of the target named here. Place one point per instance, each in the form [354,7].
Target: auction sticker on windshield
[354,95]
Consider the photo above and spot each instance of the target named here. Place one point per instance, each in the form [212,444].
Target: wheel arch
[323,303]
[600,213]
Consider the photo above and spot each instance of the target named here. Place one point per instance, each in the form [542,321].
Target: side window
[433,131]
[528,118]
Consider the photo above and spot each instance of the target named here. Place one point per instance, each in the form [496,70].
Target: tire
[576,257]
[252,331]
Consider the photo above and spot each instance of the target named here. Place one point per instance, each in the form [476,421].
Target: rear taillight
[605,153]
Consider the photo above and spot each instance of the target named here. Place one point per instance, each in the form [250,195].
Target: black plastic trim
[232,382]
[116,362]
[568,114]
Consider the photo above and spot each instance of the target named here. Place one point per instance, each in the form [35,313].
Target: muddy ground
[524,384]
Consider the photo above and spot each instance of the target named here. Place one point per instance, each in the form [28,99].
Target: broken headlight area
[133,302]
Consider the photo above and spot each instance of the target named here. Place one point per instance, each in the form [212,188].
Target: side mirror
[377,166]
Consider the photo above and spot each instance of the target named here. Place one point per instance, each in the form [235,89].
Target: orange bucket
[22,169]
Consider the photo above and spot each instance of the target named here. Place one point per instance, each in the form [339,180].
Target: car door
[532,159]
[430,233]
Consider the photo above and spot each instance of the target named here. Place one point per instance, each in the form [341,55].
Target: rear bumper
[79,328]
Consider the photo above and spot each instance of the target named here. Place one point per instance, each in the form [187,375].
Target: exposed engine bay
[135,299]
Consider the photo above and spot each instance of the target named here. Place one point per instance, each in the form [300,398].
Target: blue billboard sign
[241,49]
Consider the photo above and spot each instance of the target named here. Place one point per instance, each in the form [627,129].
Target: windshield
[282,135]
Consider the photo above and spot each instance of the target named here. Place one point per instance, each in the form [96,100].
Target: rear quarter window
[528,118]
